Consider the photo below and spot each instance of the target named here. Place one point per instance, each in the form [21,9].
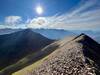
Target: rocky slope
[80,56]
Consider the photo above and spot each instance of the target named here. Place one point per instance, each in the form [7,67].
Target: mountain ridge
[73,57]
[80,52]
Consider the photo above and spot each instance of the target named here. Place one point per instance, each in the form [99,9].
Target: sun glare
[39,10]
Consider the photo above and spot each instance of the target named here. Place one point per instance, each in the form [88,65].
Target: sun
[39,10]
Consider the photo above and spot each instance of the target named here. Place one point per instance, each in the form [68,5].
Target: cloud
[12,20]
[84,17]
[36,22]
[83,6]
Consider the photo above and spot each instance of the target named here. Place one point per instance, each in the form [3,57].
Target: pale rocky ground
[68,59]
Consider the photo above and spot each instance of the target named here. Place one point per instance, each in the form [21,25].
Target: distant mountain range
[8,31]
[57,33]
[49,33]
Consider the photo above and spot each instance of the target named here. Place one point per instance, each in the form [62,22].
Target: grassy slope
[29,60]
[31,67]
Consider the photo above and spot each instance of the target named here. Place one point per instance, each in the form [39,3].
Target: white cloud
[84,16]
[83,6]
[36,22]
[13,20]
[80,18]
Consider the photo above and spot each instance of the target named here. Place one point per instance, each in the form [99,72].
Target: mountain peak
[28,30]
[83,35]
[84,38]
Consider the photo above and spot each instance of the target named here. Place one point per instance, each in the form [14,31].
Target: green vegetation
[31,67]
[30,59]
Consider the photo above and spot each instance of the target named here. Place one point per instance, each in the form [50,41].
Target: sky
[56,14]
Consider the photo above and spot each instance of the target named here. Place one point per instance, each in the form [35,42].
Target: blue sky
[64,14]
[26,8]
